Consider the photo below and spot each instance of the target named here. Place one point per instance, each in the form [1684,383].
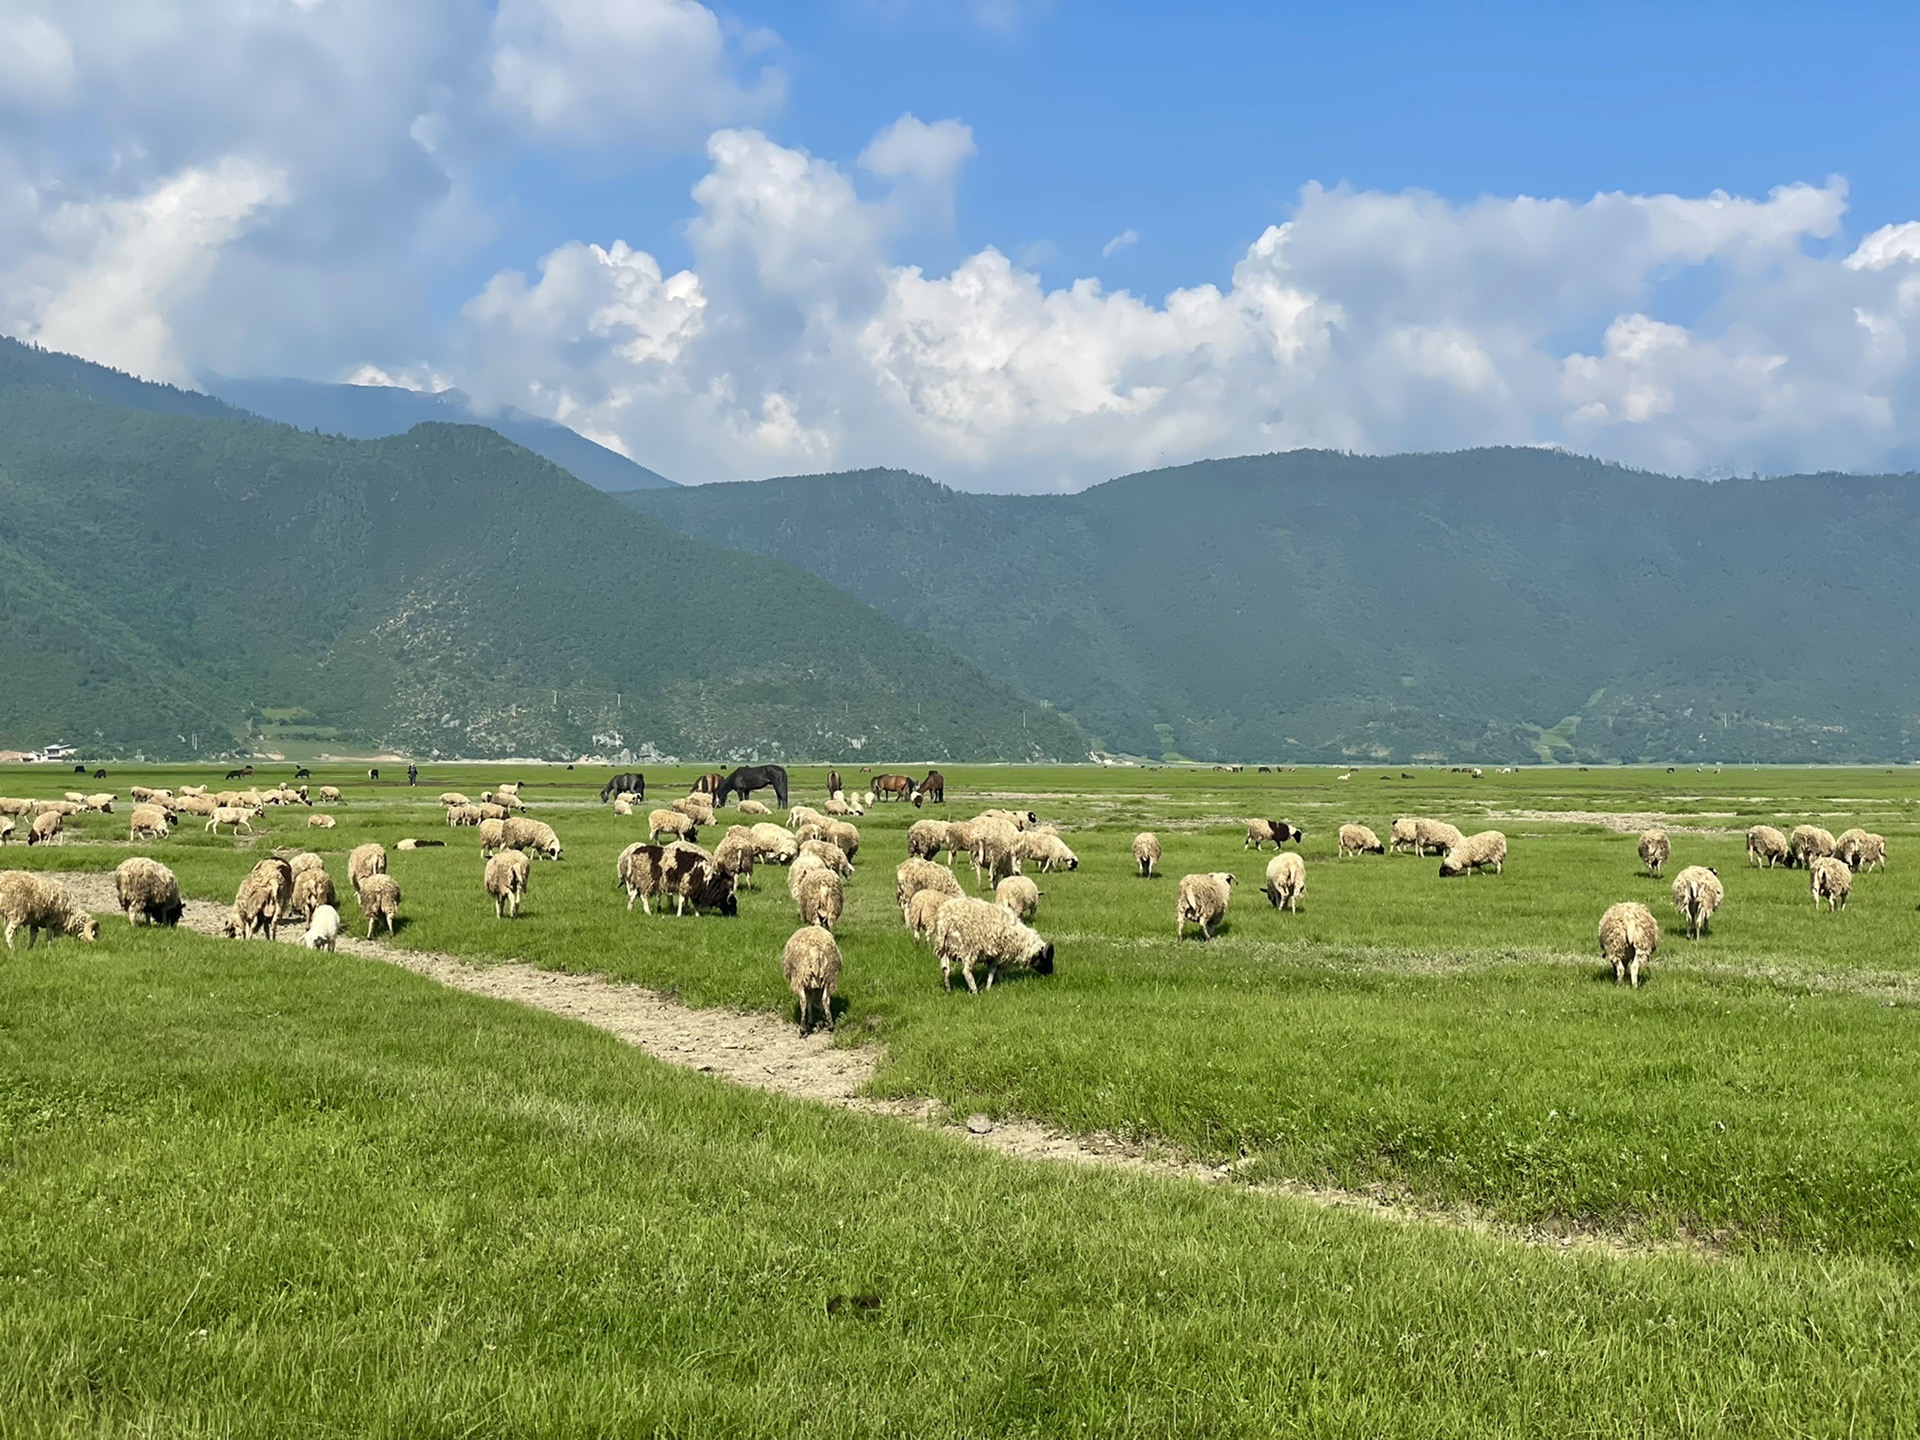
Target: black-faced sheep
[1146,853]
[1273,832]
[1202,901]
[1767,846]
[1655,850]
[506,879]
[48,828]
[1286,881]
[149,822]
[1860,849]
[1697,893]
[811,963]
[40,904]
[975,934]
[147,890]
[1359,840]
[1628,937]
[1485,851]
[533,838]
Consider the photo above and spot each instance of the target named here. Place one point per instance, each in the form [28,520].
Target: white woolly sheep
[774,844]
[535,838]
[320,822]
[1485,851]
[312,888]
[1808,843]
[623,803]
[1286,881]
[735,855]
[1045,852]
[1767,846]
[507,876]
[1146,853]
[149,822]
[674,823]
[922,911]
[238,816]
[845,836]
[18,808]
[1628,937]
[261,900]
[147,890]
[840,805]
[368,859]
[974,934]
[492,835]
[101,804]
[1829,880]
[1435,835]
[323,929]
[754,807]
[330,793]
[829,855]
[821,899]
[454,797]
[1360,840]
[379,897]
[306,860]
[913,876]
[696,807]
[1202,901]
[40,904]
[993,850]
[48,828]
[1655,850]
[195,805]
[804,814]
[468,814]
[1860,849]
[1018,896]
[811,963]
[1697,893]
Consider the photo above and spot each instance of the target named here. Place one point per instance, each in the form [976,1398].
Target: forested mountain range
[1488,605]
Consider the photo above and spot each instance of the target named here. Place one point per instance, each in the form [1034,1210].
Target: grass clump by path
[247,1190]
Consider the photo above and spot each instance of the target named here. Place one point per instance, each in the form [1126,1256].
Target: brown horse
[708,784]
[933,788]
[893,787]
[834,787]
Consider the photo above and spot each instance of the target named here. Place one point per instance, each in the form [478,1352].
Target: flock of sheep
[978,937]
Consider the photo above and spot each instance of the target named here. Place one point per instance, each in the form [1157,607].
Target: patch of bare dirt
[1630,822]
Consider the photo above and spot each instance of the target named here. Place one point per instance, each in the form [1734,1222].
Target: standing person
[413,773]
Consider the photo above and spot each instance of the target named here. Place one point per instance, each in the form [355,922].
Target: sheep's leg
[946,969]
[966,972]
[370,920]
[389,924]
[826,1010]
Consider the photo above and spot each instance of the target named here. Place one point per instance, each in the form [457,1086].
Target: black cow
[749,778]
[631,783]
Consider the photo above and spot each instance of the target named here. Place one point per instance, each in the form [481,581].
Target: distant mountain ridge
[1502,605]
[372,412]
[176,580]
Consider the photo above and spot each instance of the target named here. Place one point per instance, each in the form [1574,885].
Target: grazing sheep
[1435,835]
[1829,880]
[821,899]
[690,875]
[1697,893]
[974,934]
[803,866]
[846,836]
[1485,851]
[506,879]
[40,903]
[674,823]
[735,855]
[922,911]
[238,816]
[492,835]
[329,793]
[306,860]
[1018,819]
[754,807]
[148,822]
[637,871]
[697,808]
[1808,843]
[1860,849]
[775,844]
[6,831]
[805,815]
[1655,850]
[623,803]
[454,797]
[1018,896]
[533,837]
[1767,846]
[1628,937]
[913,876]
[1359,840]
[195,805]
[994,853]
[368,859]
[48,828]
[1202,901]
[828,854]
[379,897]
[261,900]
[1273,832]
[10,805]
[1045,851]
[146,888]
[468,814]
[323,929]
[811,963]
[193,789]
[65,809]
[1146,853]
[1286,881]
[320,822]
[312,888]
[840,805]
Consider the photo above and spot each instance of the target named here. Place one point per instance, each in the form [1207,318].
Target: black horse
[632,783]
[749,778]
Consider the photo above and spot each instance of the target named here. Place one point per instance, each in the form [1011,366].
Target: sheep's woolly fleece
[765,1052]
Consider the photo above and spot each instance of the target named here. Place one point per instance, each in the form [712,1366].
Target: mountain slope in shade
[372,412]
[1490,605]
[168,579]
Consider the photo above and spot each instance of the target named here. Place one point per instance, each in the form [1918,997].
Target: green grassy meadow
[249,1190]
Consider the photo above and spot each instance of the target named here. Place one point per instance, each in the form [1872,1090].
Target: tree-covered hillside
[1492,605]
[171,583]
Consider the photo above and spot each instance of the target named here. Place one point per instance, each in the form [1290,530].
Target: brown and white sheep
[1271,832]
[1628,937]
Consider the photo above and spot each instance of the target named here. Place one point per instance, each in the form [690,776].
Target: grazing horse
[893,787]
[749,778]
[834,787]
[933,788]
[632,783]
[708,784]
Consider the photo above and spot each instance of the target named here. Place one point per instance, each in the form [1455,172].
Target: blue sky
[1014,245]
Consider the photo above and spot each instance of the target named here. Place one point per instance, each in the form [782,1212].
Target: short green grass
[251,1191]
[1452,1042]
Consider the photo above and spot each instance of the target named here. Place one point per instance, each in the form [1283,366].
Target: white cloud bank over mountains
[242,184]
